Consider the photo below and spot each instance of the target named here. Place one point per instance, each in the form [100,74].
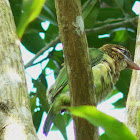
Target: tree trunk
[15,115]
[73,37]
[133,101]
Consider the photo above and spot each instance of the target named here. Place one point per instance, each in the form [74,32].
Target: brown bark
[73,37]
[15,115]
[133,101]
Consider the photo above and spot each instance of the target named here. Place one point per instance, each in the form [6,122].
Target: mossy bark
[133,102]
[73,37]
[15,115]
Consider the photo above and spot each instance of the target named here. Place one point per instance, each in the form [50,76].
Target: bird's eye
[125,52]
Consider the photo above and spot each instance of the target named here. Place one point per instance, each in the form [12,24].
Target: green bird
[107,62]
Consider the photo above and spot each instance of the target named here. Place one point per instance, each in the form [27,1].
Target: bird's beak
[132,65]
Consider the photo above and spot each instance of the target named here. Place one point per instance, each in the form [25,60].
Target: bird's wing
[96,56]
[61,82]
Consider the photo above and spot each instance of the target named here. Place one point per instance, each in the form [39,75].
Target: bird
[107,62]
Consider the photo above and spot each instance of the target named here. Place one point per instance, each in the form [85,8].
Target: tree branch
[15,114]
[133,102]
[51,44]
[73,37]
[112,25]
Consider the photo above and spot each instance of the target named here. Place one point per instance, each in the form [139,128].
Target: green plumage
[106,62]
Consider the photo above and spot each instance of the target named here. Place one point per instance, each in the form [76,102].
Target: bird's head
[119,53]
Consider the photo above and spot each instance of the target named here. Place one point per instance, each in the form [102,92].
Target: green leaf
[51,64]
[55,62]
[41,86]
[91,9]
[58,57]
[51,33]
[37,116]
[104,137]
[115,3]
[109,13]
[33,42]
[113,128]
[61,122]
[123,86]
[128,7]
[34,27]
[125,5]
[94,40]
[120,103]
[49,12]
[33,103]
[31,9]
[16,9]
[120,36]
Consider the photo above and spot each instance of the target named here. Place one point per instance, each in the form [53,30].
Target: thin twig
[120,8]
[96,29]
[51,44]
[112,25]
[110,20]
[85,5]
[91,7]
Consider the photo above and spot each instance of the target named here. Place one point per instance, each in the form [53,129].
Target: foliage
[110,124]
[31,9]
[113,18]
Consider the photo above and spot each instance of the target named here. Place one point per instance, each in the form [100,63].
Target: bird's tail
[48,122]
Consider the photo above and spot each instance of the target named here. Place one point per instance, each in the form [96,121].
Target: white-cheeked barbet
[107,62]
